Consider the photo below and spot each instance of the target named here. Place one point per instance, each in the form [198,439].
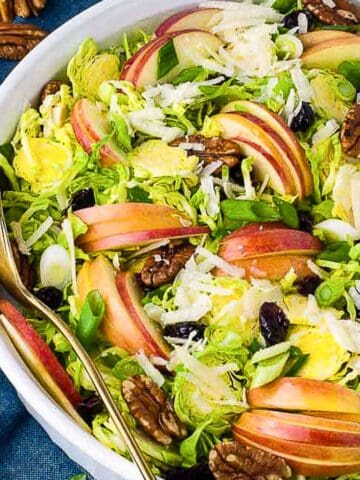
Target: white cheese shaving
[325,132]
[211,168]
[345,332]
[316,269]
[192,313]
[150,120]
[338,229]
[289,107]
[68,232]
[302,84]
[329,3]
[207,187]
[354,293]
[149,369]
[196,147]
[149,248]
[218,262]
[303,23]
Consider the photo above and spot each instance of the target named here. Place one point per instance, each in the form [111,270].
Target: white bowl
[104,22]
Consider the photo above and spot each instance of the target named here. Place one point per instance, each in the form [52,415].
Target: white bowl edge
[19,90]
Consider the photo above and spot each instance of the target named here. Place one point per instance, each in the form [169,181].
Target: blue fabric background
[26,452]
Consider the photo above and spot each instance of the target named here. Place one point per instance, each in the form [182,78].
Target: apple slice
[39,355]
[329,55]
[316,37]
[300,428]
[190,18]
[275,241]
[305,459]
[345,417]
[125,324]
[90,127]
[296,393]
[277,124]
[142,214]
[138,238]
[185,49]
[254,141]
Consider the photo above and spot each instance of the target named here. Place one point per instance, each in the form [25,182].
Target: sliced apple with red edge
[125,324]
[301,428]
[279,241]
[139,238]
[40,360]
[191,18]
[296,393]
[172,53]
[316,37]
[305,459]
[90,127]
[275,123]
[329,55]
[255,142]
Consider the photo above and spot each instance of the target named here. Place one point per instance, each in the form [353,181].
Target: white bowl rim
[10,362]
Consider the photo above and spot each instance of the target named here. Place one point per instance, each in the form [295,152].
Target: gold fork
[10,278]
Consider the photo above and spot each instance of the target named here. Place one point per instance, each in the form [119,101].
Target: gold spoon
[10,278]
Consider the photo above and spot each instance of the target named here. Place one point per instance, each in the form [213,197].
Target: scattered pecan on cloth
[152,410]
[164,264]
[210,149]
[234,461]
[16,40]
[26,272]
[26,8]
[350,132]
[7,11]
[333,12]
[50,88]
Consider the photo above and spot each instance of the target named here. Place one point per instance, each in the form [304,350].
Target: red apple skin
[42,351]
[131,296]
[87,132]
[134,239]
[282,146]
[190,18]
[308,450]
[345,417]
[120,327]
[282,241]
[333,433]
[252,228]
[296,393]
[281,128]
[142,213]
[273,267]
[302,465]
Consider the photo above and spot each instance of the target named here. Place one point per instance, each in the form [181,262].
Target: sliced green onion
[167,59]
[330,291]
[91,317]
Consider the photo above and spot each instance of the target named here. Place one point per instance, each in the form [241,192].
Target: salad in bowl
[188,201]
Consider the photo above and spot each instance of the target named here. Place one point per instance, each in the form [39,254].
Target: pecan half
[234,461]
[6,10]
[16,40]
[26,272]
[26,8]
[50,89]
[211,149]
[164,264]
[350,132]
[338,12]
[152,410]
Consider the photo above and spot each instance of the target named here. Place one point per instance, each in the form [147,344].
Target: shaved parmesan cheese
[149,248]
[211,168]
[192,313]
[325,132]
[149,369]
[44,227]
[207,186]
[218,262]
[354,293]
[302,84]
[303,23]
[150,120]
[289,106]
[329,3]
[196,147]
[338,229]
[345,332]
[67,229]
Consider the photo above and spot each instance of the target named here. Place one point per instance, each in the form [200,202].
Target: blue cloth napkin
[26,451]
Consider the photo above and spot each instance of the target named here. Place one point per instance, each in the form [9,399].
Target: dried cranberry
[198,472]
[303,119]
[305,222]
[308,285]
[292,19]
[274,324]
[51,296]
[90,407]
[84,198]
[184,330]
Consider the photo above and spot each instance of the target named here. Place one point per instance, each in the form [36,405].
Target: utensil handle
[99,384]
